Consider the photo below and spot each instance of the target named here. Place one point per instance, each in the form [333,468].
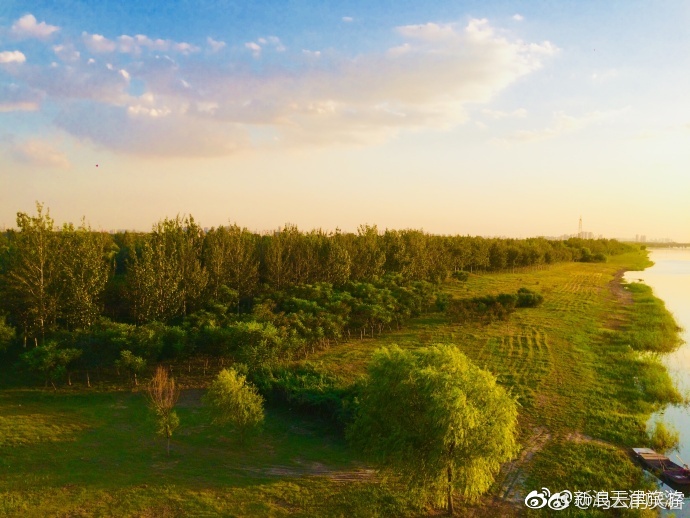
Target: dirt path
[616,286]
[514,475]
[622,297]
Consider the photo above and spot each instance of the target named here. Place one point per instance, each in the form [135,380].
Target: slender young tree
[163,394]
[33,269]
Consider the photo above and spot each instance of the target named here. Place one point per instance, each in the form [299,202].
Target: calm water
[670,280]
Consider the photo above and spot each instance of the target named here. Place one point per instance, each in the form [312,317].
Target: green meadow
[582,366]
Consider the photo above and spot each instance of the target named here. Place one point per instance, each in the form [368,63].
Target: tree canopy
[234,401]
[434,418]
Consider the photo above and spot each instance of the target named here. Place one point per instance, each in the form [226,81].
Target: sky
[494,118]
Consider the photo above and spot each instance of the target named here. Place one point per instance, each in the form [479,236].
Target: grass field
[584,390]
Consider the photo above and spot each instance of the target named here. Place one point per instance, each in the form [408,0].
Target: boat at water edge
[663,467]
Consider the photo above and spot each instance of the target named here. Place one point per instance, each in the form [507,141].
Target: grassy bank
[584,388]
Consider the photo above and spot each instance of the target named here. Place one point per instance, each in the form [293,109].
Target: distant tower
[579,229]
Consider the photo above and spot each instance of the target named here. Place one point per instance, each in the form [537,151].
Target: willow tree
[436,420]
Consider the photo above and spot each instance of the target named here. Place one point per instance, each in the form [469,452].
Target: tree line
[75,300]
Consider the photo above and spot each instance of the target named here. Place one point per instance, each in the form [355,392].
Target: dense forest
[72,299]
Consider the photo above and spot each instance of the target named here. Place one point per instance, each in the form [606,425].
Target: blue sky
[490,118]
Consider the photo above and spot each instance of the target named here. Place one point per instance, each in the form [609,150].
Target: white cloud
[214,45]
[269,41]
[126,44]
[98,43]
[66,52]
[143,132]
[425,80]
[184,48]
[12,56]
[38,153]
[348,19]
[76,81]
[518,17]
[429,32]
[26,27]
[254,47]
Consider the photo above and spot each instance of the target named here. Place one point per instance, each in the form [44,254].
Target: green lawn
[67,454]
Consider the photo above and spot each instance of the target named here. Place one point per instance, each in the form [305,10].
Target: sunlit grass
[570,362]
[97,454]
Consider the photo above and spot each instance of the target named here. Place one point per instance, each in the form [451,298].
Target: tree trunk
[88,380]
[451,510]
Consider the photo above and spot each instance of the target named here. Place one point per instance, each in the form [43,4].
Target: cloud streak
[38,153]
[125,44]
[184,105]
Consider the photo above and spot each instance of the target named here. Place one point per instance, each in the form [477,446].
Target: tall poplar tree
[32,278]
[231,259]
[85,267]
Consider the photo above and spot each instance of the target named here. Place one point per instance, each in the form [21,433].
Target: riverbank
[669,279]
[585,393]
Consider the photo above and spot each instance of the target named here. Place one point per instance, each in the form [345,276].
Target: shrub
[528,298]
[234,401]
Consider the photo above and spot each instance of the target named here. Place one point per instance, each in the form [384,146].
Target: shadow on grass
[107,440]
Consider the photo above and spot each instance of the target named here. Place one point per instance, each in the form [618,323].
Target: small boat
[663,467]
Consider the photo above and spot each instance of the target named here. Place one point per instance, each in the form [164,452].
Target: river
[669,278]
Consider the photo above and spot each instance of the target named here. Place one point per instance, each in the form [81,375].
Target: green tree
[437,420]
[334,260]
[368,255]
[51,361]
[184,240]
[131,363]
[230,257]
[163,395]
[153,282]
[84,271]
[7,334]
[234,401]
[32,275]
